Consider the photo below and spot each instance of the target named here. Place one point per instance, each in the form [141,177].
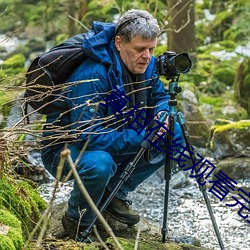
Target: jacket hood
[98,43]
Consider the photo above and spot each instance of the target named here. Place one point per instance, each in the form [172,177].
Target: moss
[13,239]
[225,75]
[214,101]
[237,125]
[21,199]
[9,219]
[16,237]
[16,61]
[6,243]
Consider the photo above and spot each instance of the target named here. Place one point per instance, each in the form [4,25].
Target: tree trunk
[71,6]
[181,27]
[83,7]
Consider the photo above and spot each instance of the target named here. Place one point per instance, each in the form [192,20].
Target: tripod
[169,163]
[125,174]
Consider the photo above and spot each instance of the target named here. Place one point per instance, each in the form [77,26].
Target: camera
[171,65]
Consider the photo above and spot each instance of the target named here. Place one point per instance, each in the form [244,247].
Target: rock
[179,180]
[197,125]
[149,238]
[236,168]
[231,139]
[189,96]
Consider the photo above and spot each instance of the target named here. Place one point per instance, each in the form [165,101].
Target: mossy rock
[11,237]
[230,139]
[22,200]
[219,107]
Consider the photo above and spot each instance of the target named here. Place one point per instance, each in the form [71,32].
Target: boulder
[232,139]
[150,235]
[236,168]
[197,125]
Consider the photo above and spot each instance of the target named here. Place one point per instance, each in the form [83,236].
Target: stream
[187,212]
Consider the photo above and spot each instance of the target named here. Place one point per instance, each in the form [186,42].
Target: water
[188,215]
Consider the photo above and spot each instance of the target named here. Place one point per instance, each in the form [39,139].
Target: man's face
[137,53]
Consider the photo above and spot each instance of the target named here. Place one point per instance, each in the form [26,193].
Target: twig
[45,217]
[137,236]
[99,238]
[66,154]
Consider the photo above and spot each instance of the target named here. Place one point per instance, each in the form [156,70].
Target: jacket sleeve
[89,120]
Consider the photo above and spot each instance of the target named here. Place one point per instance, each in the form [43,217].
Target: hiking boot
[75,231]
[121,211]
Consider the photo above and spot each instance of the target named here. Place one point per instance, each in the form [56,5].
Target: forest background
[214,33]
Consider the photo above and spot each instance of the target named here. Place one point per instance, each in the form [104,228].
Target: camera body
[171,65]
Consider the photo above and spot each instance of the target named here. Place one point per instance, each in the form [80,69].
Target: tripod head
[171,65]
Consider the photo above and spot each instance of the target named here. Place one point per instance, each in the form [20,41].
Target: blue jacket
[86,118]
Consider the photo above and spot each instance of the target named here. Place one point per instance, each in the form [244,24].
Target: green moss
[16,61]
[9,219]
[16,237]
[212,100]
[236,125]
[128,244]
[21,199]
[6,243]
[225,75]
[13,239]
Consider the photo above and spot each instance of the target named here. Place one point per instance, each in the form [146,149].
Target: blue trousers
[99,171]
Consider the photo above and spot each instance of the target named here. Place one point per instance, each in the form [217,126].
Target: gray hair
[137,22]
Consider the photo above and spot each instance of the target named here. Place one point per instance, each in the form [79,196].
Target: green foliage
[229,23]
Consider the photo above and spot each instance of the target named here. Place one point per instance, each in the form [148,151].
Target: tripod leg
[126,173]
[181,121]
[169,164]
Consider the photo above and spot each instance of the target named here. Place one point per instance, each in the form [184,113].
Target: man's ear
[118,42]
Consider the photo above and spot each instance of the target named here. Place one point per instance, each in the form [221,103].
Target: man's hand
[165,123]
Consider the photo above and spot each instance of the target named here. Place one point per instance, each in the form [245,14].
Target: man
[119,61]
